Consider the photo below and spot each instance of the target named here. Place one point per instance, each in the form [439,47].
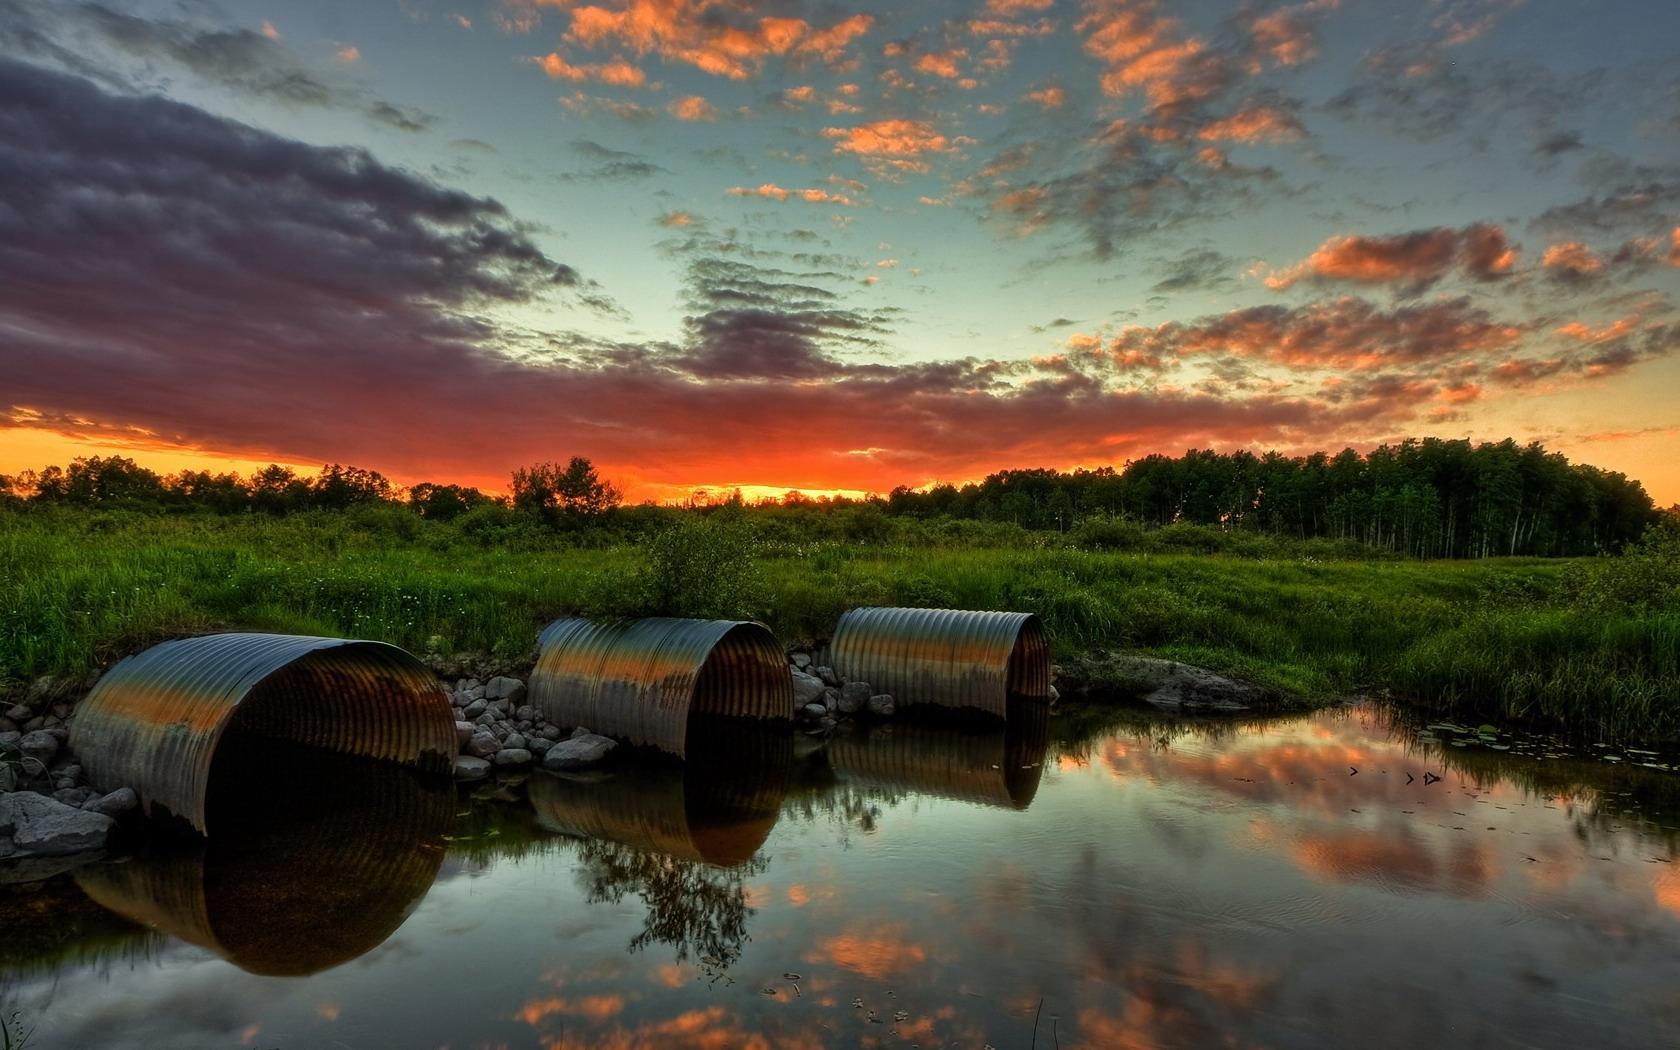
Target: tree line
[1424,498]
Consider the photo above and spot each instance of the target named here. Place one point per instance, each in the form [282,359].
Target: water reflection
[950,758]
[684,839]
[317,859]
[1091,878]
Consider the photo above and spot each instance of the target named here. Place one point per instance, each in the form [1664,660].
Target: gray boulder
[814,710]
[514,740]
[828,676]
[831,699]
[483,744]
[806,688]
[801,660]
[41,745]
[19,713]
[881,706]
[1184,687]
[502,688]
[526,713]
[475,708]
[463,733]
[854,696]
[467,767]
[580,752]
[513,756]
[43,827]
[550,732]
[115,804]
[538,745]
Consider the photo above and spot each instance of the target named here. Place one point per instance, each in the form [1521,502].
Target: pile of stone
[47,808]
[823,700]
[497,729]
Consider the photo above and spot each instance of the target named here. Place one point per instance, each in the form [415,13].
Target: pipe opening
[744,676]
[1029,661]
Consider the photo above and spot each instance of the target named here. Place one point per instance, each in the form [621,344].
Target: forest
[1426,498]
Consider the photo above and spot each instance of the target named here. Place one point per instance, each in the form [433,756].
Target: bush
[1107,534]
[704,567]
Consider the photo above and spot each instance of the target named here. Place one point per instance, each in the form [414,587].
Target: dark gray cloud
[1198,268]
[235,58]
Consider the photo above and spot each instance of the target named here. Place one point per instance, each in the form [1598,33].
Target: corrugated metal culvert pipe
[945,657]
[155,721]
[640,680]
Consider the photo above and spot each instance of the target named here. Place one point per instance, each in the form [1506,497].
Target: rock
[467,767]
[71,771]
[501,707]
[578,731]
[526,713]
[814,710]
[463,733]
[806,688]
[9,740]
[1175,686]
[8,778]
[580,752]
[474,709]
[829,722]
[514,740]
[113,805]
[485,721]
[75,796]
[44,827]
[7,725]
[828,676]
[483,744]
[513,756]
[800,660]
[19,714]
[854,696]
[550,732]
[40,745]
[505,689]
[881,706]
[831,698]
[538,745]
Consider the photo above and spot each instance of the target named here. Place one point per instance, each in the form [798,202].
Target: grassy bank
[1589,646]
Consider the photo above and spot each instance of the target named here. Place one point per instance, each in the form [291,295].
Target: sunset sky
[832,246]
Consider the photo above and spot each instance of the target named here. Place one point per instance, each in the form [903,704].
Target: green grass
[1585,647]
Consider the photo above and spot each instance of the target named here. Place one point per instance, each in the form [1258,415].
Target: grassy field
[1591,646]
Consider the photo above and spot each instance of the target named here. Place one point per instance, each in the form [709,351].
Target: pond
[1088,879]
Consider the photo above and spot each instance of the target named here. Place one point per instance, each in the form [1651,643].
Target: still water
[1092,879]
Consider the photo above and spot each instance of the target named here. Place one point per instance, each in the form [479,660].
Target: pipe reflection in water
[684,838]
[951,759]
[318,858]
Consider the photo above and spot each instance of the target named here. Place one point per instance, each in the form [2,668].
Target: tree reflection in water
[683,839]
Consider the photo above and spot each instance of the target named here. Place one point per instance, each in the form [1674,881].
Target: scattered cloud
[618,72]
[1410,261]
[691,108]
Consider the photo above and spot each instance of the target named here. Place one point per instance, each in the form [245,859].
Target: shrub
[704,567]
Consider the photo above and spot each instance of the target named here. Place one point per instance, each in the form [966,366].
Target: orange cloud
[692,108]
[1011,8]
[1144,49]
[349,54]
[1419,258]
[1253,122]
[677,219]
[1572,261]
[943,63]
[1286,35]
[1051,97]
[710,35]
[896,137]
[618,72]
[771,191]
[596,1008]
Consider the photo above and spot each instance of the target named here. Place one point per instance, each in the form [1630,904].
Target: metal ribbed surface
[716,809]
[153,723]
[333,857]
[1000,768]
[639,680]
[948,657]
